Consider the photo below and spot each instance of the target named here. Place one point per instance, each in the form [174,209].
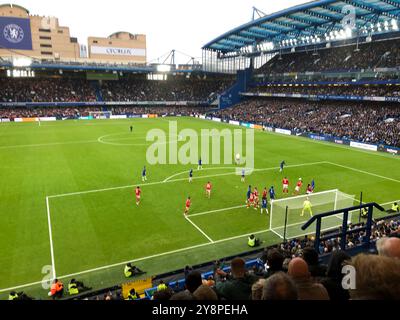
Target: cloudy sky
[184,25]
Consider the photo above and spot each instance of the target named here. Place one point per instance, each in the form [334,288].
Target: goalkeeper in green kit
[307,207]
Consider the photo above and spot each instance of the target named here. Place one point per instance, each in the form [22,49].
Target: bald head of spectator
[389,247]
[298,269]
[307,289]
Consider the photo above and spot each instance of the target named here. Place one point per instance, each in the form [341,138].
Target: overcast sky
[184,25]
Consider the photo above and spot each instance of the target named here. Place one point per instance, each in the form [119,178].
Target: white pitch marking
[365,172]
[155,256]
[199,229]
[47,144]
[214,211]
[163,254]
[23,286]
[175,180]
[53,265]
[276,233]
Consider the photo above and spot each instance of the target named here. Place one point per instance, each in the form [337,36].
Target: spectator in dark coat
[334,276]
[237,286]
[311,257]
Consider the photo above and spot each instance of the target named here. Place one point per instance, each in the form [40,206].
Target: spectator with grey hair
[279,287]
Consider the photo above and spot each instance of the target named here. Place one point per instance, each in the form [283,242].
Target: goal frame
[300,197]
[92,113]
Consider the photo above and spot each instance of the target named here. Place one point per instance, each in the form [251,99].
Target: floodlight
[163,68]
[21,62]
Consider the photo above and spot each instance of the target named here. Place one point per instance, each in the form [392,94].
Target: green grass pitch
[79,177]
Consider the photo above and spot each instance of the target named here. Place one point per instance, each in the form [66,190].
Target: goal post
[320,202]
[100,114]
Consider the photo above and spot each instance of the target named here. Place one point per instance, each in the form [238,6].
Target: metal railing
[344,231]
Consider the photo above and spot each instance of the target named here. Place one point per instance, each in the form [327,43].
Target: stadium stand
[366,122]
[137,89]
[45,90]
[180,90]
[381,54]
[315,89]
[75,113]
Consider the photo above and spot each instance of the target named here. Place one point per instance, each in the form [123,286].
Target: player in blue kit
[144,174]
[264,205]
[248,195]
[191,175]
[243,175]
[272,193]
[200,166]
[282,166]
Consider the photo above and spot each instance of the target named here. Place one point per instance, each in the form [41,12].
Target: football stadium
[268,170]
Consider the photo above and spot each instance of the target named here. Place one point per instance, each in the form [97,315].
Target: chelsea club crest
[13,33]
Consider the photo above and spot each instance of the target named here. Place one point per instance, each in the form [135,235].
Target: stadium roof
[316,21]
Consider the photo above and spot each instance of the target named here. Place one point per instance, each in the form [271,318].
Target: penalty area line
[178,180]
[214,211]
[199,229]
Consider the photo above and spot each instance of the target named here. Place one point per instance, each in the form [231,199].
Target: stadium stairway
[97,89]
[232,95]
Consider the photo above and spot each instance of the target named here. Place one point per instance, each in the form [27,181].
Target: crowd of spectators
[126,89]
[292,271]
[177,90]
[46,90]
[75,113]
[377,54]
[364,122]
[347,90]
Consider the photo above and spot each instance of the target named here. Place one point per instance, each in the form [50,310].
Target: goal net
[100,114]
[320,203]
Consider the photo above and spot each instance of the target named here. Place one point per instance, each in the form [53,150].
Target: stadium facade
[43,38]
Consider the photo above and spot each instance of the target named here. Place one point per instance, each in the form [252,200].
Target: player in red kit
[265,193]
[285,183]
[256,198]
[138,192]
[298,186]
[309,189]
[250,202]
[208,190]
[187,206]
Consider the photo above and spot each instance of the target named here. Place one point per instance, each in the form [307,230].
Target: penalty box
[219,224]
